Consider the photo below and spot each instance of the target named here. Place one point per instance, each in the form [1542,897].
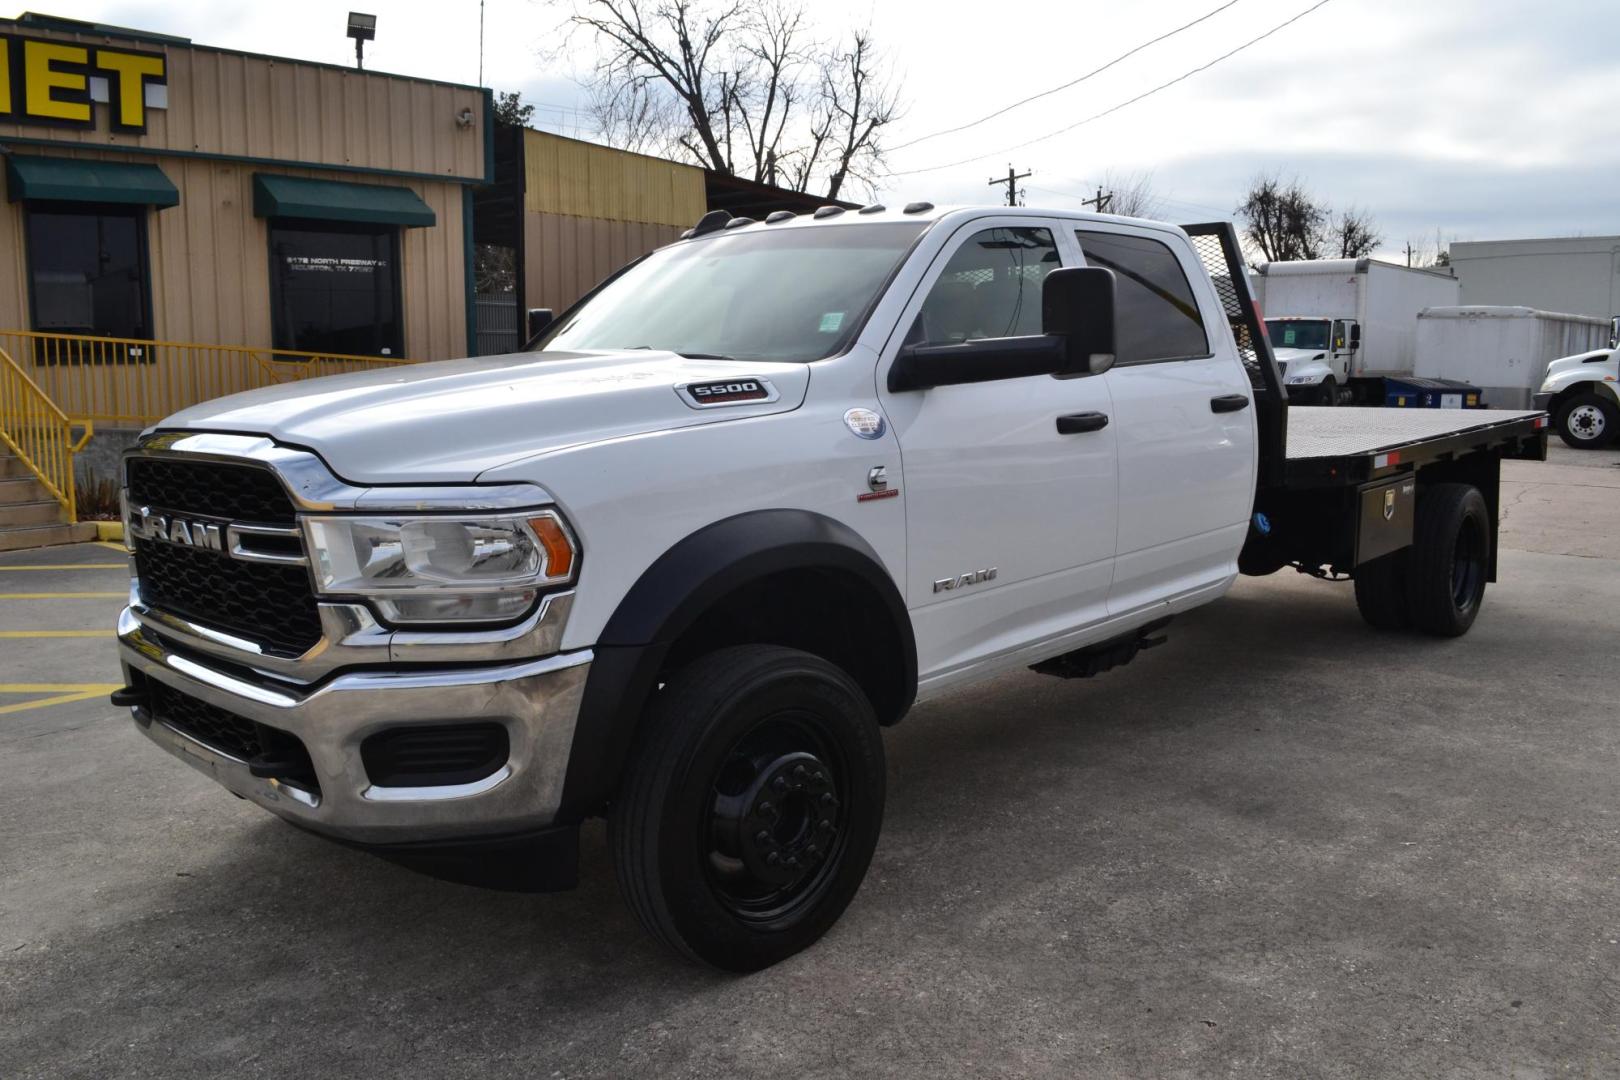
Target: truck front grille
[270,605]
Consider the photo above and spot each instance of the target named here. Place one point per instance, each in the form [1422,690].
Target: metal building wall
[272,108]
[590,209]
[210,259]
[1577,275]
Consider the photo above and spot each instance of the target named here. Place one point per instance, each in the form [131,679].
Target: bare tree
[738,88]
[1353,233]
[1131,194]
[1282,220]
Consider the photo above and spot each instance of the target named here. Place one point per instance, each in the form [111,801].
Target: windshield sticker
[831,322]
[1288,336]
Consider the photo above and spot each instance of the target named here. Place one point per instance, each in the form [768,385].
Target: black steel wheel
[1449,560]
[751,807]
[1588,421]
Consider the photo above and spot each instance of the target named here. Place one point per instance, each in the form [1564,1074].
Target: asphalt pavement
[1281,846]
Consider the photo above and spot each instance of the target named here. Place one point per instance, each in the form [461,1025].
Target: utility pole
[1409,254]
[1011,180]
[1102,202]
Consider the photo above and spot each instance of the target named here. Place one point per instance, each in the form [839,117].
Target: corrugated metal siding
[567,256]
[582,180]
[251,106]
[210,260]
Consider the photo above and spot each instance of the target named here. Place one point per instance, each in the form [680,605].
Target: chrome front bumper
[537,701]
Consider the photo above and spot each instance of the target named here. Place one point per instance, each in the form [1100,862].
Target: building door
[335,288]
[990,482]
[88,270]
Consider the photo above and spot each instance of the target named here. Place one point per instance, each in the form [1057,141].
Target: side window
[1158,318]
[1341,335]
[991,288]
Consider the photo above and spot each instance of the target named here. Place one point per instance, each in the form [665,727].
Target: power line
[1114,109]
[1075,82]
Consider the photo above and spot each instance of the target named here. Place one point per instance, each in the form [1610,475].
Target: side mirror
[1078,306]
[1355,336]
[539,319]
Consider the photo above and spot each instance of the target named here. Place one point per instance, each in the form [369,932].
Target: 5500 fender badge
[743,391]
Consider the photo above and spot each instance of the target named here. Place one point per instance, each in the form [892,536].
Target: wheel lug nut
[826,826]
[766,809]
[827,799]
[772,859]
[799,771]
[793,861]
[762,837]
[780,783]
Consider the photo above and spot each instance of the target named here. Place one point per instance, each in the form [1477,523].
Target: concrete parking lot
[1283,845]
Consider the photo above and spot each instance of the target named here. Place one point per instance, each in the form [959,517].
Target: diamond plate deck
[1317,432]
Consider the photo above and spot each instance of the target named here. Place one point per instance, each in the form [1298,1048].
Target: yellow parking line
[61,595]
[54,633]
[62,694]
[115,547]
[74,566]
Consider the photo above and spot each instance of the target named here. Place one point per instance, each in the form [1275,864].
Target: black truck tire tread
[1381,593]
[1442,510]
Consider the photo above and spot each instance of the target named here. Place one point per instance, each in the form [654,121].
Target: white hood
[451,421]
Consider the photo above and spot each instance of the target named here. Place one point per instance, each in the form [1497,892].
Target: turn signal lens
[559,550]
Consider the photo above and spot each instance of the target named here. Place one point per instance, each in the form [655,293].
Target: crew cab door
[1009,485]
[1184,417]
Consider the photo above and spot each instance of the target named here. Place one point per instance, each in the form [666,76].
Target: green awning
[334,200]
[84,180]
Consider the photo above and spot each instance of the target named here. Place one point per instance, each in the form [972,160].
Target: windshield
[796,294]
[1297,334]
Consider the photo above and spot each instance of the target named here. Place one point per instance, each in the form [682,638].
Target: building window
[334,288]
[88,270]
[1158,317]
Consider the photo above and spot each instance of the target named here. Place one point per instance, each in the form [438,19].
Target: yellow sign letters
[56,82]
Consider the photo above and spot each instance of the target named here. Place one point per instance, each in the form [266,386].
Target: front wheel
[1328,393]
[1588,421]
[1449,559]
[752,806]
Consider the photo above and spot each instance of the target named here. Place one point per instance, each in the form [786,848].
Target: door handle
[1080,423]
[1229,403]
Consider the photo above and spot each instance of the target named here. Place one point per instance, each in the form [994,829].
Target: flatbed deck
[1337,446]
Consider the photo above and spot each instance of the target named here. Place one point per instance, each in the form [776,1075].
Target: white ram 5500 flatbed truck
[732,514]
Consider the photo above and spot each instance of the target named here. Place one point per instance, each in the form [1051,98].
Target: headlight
[445,569]
[1546,387]
[1298,380]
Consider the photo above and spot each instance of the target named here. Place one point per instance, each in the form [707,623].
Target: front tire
[752,806]
[1588,421]
[1449,559]
[1328,393]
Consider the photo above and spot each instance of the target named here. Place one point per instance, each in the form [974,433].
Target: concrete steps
[29,517]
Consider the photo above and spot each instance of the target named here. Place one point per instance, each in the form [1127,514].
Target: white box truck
[1338,326]
[1502,350]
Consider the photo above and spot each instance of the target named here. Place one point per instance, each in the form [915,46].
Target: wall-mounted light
[362,28]
[464,118]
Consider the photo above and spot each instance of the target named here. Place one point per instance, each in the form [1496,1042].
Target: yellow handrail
[35,429]
[130,381]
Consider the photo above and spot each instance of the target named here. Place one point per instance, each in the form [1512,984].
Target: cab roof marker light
[779,215]
[875,208]
[713,221]
[739,222]
[918,207]
[827,212]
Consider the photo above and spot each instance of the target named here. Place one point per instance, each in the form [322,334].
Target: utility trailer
[1370,494]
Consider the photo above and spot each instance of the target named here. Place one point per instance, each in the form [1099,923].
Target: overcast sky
[1484,119]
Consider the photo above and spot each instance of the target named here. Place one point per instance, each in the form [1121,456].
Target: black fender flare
[671,595]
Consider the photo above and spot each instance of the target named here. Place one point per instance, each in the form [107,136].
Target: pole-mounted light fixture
[362,28]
